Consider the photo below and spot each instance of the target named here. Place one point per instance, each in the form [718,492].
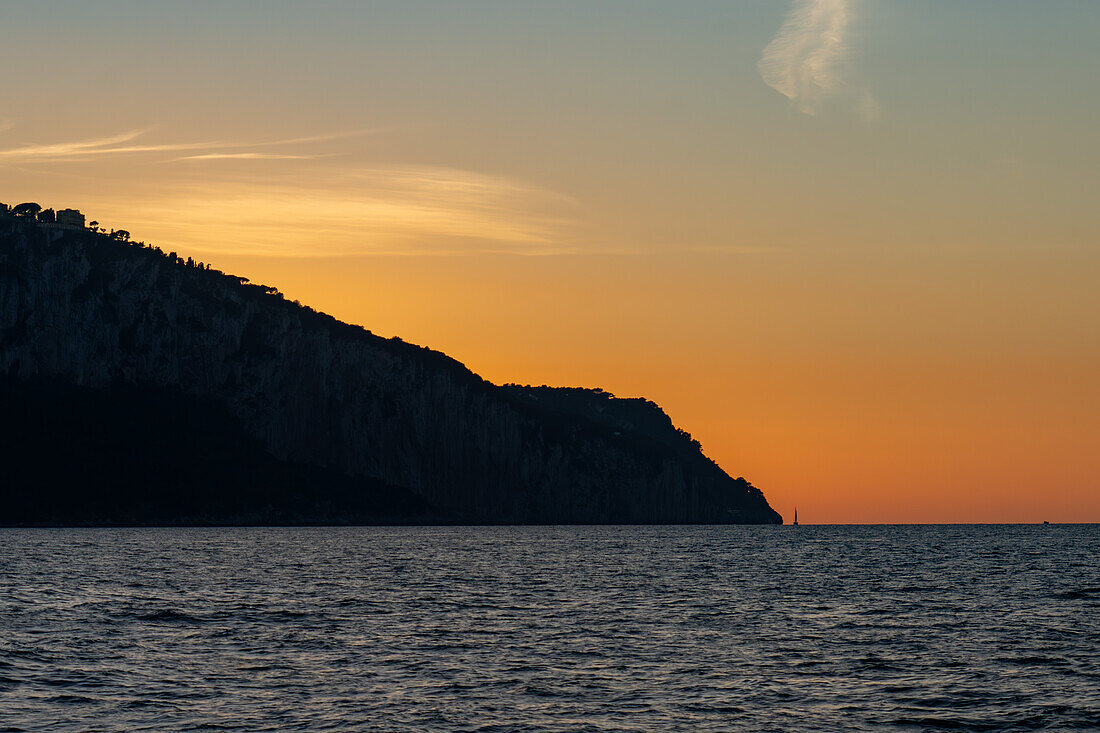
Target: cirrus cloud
[124,144]
[395,210]
[315,204]
[807,61]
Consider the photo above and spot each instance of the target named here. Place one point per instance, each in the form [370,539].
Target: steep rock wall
[95,312]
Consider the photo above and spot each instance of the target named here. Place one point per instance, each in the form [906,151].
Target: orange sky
[870,289]
[875,406]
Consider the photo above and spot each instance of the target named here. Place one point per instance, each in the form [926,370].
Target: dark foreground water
[552,628]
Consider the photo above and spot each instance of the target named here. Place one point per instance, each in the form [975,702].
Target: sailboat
[795,522]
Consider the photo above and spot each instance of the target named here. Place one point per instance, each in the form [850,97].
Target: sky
[852,246]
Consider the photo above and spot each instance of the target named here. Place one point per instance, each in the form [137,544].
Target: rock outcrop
[316,401]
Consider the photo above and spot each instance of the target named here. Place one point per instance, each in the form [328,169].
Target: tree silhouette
[28,210]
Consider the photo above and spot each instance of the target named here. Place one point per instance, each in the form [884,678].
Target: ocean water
[551,629]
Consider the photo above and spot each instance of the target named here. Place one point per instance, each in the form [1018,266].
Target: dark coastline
[140,389]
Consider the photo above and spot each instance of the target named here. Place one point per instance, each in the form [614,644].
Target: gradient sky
[853,246]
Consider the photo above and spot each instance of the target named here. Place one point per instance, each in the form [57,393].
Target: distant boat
[795,522]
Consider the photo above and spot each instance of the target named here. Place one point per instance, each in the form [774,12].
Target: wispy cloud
[117,145]
[400,210]
[807,61]
[247,156]
[319,209]
[70,149]
[325,137]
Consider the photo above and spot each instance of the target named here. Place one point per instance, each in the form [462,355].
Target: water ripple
[551,629]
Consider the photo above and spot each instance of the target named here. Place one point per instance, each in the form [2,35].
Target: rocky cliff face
[81,309]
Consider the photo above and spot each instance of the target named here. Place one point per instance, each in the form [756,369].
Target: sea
[626,628]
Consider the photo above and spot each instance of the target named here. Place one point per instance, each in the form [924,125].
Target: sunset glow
[852,247]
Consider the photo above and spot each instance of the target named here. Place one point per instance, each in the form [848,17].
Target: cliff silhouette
[139,388]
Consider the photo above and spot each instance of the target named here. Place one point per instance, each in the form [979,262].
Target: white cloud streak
[321,210]
[70,149]
[247,156]
[115,145]
[399,210]
[807,61]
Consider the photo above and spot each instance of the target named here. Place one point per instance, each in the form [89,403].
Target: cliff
[140,388]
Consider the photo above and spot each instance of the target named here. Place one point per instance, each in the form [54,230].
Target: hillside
[139,388]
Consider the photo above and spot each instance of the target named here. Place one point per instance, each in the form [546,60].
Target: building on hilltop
[70,218]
